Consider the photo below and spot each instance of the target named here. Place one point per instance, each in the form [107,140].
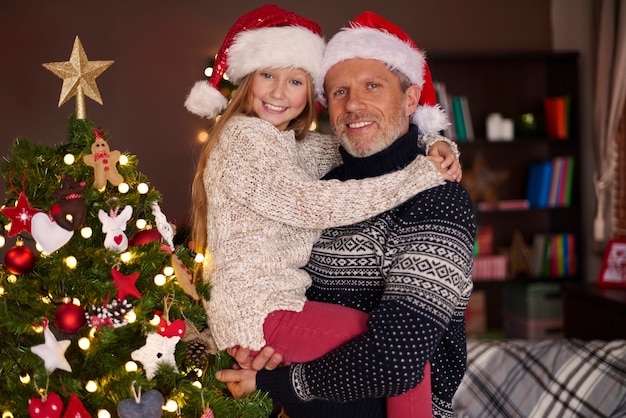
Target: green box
[539,300]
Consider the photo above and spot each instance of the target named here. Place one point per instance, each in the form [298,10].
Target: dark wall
[161,47]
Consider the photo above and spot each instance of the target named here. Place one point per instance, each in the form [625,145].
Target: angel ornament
[114,226]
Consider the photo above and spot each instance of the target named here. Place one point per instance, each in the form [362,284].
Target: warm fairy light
[203,137]
[3,241]
[197,384]
[199,258]
[168,270]
[160,279]
[25,378]
[92,333]
[76,301]
[12,279]
[1,291]
[38,328]
[38,247]
[91,386]
[155,320]
[103,413]
[7,414]
[123,159]
[69,159]
[130,317]
[170,406]
[123,188]
[131,366]
[46,299]
[126,257]
[86,232]
[7,227]
[208,71]
[141,223]
[143,188]
[84,343]
[71,262]
[313,126]
[199,373]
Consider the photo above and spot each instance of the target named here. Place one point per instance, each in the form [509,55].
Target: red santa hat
[370,36]
[267,37]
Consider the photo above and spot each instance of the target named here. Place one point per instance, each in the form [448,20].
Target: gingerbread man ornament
[104,162]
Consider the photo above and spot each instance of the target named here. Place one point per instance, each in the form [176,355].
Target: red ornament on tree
[69,317]
[145,236]
[19,259]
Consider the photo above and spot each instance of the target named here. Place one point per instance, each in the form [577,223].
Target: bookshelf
[515,84]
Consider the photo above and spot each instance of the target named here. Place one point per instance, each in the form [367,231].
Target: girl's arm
[266,175]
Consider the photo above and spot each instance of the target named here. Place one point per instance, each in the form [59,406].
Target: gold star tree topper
[79,78]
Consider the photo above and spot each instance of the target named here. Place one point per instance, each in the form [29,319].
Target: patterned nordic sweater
[266,208]
[410,268]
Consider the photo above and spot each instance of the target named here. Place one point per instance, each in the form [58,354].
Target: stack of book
[550,183]
[487,265]
[457,109]
[554,255]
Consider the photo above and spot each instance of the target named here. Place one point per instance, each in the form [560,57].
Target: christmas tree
[99,312]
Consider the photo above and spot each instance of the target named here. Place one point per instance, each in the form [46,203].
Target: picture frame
[613,270]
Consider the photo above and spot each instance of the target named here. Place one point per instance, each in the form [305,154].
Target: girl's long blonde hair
[239,105]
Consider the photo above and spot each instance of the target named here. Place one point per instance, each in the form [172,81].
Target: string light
[123,188]
[7,414]
[69,159]
[71,262]
[3,241]
[197,384]
[168,270]
[91,386]
[86,232]
[103,413]
[24,378]
[123,159]
[143,188]
[12,279]
[130,317]
[7,227]
[155,320]
[131,366]
[1,291]
[199,258]
[84,343]
[141,223]
[170,406]
[126,257]
[159,279]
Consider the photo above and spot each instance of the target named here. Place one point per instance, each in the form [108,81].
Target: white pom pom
[430,119]
[204,100]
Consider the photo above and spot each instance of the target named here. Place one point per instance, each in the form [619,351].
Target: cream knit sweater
[266,208]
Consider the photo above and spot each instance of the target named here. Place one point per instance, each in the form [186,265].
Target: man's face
[368,110]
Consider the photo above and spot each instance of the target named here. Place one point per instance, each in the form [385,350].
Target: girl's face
[279,95]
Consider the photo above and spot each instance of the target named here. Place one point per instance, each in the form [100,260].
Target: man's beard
[388,134]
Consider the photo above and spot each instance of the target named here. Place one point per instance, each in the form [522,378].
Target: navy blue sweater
[410,269]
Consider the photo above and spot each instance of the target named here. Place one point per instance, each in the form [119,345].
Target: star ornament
[125,284]
[79,77]
[20,215]
[158,349]
[53,352]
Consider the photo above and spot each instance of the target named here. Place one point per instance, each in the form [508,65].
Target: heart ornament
[50,406]
[48,233]
[148,405]
[175,329]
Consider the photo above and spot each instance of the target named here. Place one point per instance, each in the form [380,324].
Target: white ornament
[158,349]
[114,227]
[48,233]
[53,352]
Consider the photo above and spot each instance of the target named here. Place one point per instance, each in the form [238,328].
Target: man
[409,268]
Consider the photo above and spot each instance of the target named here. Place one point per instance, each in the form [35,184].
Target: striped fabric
[551,378]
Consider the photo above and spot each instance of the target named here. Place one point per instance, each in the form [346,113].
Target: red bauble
[145,237]
[69,318]
[19,260]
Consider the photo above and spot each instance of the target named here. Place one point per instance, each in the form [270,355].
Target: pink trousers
[321,327]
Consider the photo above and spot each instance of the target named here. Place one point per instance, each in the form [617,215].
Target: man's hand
[450,162]
[241,379]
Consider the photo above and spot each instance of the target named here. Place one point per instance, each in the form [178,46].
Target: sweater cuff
[278,384]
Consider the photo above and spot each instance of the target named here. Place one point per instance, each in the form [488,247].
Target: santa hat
[267,37]
[370,36]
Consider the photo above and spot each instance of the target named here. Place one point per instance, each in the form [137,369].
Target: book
[556,181]
[512,204]
[459,122]
[538,184]
[467,118]
[443,98]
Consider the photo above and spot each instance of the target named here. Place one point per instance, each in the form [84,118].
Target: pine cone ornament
[197,353]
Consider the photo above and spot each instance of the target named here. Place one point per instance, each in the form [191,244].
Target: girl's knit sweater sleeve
[266,174]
